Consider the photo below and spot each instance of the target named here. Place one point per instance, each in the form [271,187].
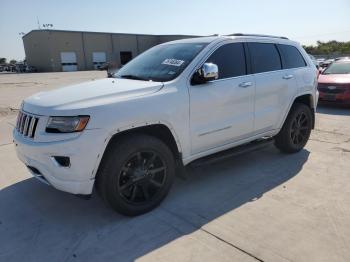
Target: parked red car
[334,83]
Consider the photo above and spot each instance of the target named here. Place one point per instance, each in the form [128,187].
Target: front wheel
[136,175]
[296,130]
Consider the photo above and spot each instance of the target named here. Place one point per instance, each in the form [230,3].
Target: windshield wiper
[134,77]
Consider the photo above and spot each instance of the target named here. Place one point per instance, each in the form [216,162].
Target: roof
[260,38]
[203,39]
[342,61]
[92,32]
[187,38]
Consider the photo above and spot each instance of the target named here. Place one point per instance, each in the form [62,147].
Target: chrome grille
[26,124]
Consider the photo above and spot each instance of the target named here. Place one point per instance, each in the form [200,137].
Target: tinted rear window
[291,57]
[264,57]
[230,59]
[337,68]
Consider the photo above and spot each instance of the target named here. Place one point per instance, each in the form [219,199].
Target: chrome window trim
[243,41]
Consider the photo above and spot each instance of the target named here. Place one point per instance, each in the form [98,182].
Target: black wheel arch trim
[170,139]
[307,99]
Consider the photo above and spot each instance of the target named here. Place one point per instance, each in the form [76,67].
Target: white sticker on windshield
[173,62]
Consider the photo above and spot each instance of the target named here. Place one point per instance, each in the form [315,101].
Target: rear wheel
[296,130]
[136,175]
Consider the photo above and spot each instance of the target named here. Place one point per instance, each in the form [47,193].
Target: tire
[296,129]
[136,174]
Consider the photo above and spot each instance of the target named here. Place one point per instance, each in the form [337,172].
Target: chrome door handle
[288,77]
[245,84]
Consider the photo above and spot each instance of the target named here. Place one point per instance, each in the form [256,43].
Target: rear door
[273,85]
[69,61]
[221,111]
[295,74]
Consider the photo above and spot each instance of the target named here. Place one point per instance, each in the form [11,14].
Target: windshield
[338,68]
[161,63]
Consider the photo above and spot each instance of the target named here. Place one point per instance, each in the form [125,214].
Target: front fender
[131,127]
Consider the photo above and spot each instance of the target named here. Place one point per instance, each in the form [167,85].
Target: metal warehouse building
[59,50]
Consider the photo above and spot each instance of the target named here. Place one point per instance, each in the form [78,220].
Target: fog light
[62,160]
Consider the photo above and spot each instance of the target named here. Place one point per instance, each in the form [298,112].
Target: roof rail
[272,36]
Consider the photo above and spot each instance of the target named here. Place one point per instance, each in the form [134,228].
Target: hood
[334,79]
[86,95]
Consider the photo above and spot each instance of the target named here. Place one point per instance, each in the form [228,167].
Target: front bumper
[84,152]
[341,99]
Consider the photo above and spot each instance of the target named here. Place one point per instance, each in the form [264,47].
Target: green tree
[329,48]
[2,60]
[13,61]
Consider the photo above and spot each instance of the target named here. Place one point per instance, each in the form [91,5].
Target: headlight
[66,124]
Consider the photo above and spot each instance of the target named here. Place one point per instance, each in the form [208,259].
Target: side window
[230,59]
[291,57]
[265,57]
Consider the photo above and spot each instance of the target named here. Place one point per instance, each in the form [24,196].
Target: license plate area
[329,97]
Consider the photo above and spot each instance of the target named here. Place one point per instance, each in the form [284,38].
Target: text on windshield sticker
[173,62]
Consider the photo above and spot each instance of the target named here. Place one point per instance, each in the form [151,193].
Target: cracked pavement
[261,206]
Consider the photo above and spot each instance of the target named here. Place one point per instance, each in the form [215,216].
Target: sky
[305,21]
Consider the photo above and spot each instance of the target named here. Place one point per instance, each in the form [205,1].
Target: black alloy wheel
[299,131]
[136,174]
[296,129]
[142,177]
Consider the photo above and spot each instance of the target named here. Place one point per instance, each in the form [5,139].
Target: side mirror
[207,72]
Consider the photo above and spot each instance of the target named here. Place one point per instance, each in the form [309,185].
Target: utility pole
[37,19]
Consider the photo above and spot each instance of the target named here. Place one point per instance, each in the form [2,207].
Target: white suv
[173,104]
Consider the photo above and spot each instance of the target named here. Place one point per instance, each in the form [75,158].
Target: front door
[222,111]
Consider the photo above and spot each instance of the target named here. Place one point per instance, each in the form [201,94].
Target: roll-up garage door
[69,61]
[98,58]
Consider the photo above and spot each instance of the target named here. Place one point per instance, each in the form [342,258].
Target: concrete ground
[262,206]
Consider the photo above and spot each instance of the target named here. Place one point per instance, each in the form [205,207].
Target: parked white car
[173,104]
